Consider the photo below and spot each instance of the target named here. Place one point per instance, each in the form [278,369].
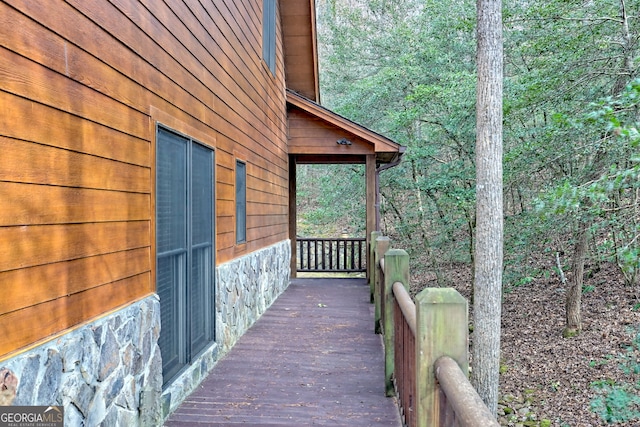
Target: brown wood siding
[312,136]
[82,84]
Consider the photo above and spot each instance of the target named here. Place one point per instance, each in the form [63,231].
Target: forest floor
[547,380]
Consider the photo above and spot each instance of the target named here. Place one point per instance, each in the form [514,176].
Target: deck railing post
[396,269]
[371,262]
[442,329]
[382,246]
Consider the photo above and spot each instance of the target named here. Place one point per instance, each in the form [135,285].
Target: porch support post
[293,229]
[371,202]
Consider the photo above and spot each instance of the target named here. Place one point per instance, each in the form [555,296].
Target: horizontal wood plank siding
[36,123]
[31,163]
[36,285]
[311,135]
[18,329]
[82,85]
[27,246]
[27,204]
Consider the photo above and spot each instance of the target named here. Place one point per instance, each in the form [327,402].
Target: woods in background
[407,69]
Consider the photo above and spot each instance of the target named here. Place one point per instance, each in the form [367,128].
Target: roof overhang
[299,40]
[318,135]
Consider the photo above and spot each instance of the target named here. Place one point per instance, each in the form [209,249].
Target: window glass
[184,234]
[269,34]
[200,291]
[241,202]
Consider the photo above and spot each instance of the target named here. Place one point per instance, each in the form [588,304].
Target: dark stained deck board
[311,359]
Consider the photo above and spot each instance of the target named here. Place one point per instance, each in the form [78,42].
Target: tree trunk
[627,68]
[421,215]
[573,299]
[489,205]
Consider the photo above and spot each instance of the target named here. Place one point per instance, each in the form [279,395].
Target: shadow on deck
[311,359]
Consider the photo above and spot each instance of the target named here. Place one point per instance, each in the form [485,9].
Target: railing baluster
[345,253]
[345,257]
[301,254]
[352,247]
[331,254]
[315,254]
[334,255]
[404,315]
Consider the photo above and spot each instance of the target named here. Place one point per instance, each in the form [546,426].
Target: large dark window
[269,34]
[241,202]
[184,209]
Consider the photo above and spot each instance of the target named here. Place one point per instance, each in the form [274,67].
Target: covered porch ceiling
[318,135]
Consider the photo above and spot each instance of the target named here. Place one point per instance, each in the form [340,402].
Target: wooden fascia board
[381,143]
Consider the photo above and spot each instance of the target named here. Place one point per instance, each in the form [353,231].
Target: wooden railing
[426,346]
[331,255]
[404,323]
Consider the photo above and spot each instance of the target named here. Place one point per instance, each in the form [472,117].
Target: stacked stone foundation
[107,372]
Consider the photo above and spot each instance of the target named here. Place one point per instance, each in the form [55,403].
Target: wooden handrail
[406,304]
[426,346]
[469,409]
[405,355]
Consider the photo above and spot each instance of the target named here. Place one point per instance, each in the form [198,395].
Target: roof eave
[386,149]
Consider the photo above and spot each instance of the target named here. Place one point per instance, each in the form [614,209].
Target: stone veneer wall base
[108,372]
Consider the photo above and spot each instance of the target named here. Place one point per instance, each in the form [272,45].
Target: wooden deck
[311,359]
